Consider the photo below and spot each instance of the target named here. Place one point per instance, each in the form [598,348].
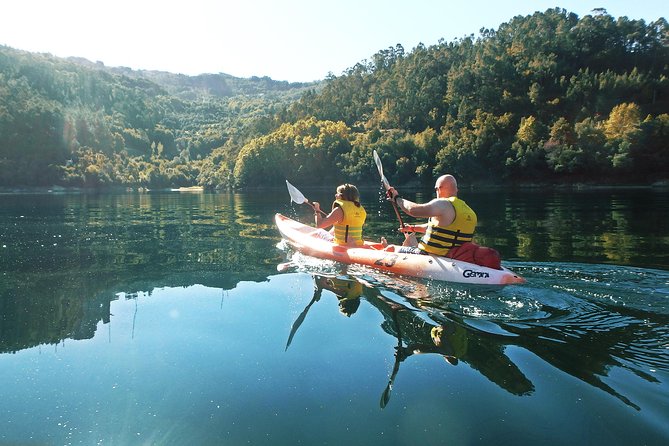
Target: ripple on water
[620,310]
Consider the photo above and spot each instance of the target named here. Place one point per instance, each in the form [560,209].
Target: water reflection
[589,340]
[595,226]
[64,258]
[584,344]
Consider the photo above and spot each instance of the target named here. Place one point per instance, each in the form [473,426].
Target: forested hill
[544,98]
[73,122]
[219,85]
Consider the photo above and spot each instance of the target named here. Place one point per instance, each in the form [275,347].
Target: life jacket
[438,240]
[344,288]
[350,228]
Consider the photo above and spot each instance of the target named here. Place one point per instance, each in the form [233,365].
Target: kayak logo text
[478,274]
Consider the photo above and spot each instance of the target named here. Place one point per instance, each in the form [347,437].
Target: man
[451,221]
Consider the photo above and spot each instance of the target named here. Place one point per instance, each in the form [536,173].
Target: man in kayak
[450,228]
[347,216]
[451,221]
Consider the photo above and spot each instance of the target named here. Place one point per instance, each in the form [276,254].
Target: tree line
[546,97]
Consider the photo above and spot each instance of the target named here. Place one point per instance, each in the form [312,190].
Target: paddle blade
[385,397]
[379,167]
[281,267]
[301,317]
[295,326]
[295,194]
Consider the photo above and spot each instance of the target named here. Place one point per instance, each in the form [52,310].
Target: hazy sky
[293,40]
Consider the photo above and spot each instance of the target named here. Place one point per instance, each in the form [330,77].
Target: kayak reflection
[416,333]
[588,340]
[444,334]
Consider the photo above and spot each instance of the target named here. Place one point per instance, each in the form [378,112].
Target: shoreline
[657,185]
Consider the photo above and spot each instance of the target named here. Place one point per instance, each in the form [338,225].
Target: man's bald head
[446,186]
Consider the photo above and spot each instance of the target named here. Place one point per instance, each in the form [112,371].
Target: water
[160,318]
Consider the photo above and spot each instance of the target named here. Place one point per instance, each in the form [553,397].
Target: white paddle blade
[295,194]
[377,160]
[379,167]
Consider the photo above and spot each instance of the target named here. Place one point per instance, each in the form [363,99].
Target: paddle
[385,396]
[300,318]
[409,238]
[298,197]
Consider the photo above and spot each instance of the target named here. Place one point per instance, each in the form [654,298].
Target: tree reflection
[65,258]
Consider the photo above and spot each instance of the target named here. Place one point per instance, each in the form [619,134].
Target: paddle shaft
[397,212]
[385,396]
[314,207]
[386,185]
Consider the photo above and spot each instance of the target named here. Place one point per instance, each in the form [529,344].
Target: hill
[548,97]
[60,118]
[219,85]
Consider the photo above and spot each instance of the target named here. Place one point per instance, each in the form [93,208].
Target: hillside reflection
[65,258]
[594,226]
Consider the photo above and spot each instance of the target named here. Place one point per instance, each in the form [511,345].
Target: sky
[287,40]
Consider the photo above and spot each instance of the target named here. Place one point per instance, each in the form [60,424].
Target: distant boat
[189,189]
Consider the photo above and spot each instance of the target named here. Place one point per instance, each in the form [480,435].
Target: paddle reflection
[347,290]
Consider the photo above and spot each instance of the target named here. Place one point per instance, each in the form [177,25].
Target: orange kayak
[310,241]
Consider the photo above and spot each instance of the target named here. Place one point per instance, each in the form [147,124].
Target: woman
[347,216]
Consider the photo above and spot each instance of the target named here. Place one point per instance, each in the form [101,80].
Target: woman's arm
[331,219]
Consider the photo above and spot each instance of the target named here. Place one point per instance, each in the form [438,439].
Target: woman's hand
[407,229]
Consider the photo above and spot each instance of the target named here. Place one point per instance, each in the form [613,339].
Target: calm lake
[160,318]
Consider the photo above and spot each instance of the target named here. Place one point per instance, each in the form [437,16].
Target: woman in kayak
[347,216]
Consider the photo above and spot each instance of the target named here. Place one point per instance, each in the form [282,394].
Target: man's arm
[414,228]
[433,208]
[441,210]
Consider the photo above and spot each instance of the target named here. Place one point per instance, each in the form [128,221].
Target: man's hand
[392,194]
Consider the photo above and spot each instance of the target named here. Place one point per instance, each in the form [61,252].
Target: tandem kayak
[310,241]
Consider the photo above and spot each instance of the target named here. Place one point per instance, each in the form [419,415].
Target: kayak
[314,242]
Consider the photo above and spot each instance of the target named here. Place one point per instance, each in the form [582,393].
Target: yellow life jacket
[350,228]
[345,288]
[438,240]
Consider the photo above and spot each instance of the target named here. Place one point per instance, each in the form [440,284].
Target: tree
[308,150]
[622,131]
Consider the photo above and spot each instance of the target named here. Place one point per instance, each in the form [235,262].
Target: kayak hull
[308,240]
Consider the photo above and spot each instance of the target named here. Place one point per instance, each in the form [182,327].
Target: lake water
[160,319]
